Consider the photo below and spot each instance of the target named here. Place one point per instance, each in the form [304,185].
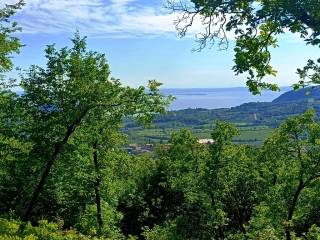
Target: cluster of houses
[149,148]
[139,149]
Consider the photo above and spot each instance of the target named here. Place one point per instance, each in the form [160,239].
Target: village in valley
[136,149]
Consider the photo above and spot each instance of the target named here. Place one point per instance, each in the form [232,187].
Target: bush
[166,232]
[44,231]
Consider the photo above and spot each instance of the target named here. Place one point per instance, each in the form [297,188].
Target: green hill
[299,95]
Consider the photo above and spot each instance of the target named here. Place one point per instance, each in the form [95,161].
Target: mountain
[310,93]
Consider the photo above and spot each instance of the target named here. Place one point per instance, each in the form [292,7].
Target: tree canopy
[8,43]
[65,173]
[256,26]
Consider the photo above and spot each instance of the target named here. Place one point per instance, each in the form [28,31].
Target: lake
[211,98]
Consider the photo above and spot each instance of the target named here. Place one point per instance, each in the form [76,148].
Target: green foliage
[252,56]
[166,232]
[44,231]
[60,142]
[256,25]
[184,191]
[314,233]
[151,201]
[72,95]
[291,166]
[61,150]
[87,223]
[9,43]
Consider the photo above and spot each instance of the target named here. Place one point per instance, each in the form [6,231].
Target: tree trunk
[292,207]
[57,149]
[97,187]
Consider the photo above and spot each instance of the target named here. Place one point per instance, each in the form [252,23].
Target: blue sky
[140,41]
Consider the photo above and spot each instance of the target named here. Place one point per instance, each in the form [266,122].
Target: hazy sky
[140,41]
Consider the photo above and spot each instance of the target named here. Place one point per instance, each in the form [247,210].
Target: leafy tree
[221,185]
[231,179]
[73,89]
[103,143]
[43,231]
[292,169]
[11,145]
[153,200]
[222,136]
[14,149]
[8,43]
[186,159]
[256,26]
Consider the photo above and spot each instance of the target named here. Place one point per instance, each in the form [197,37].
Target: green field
[250,135]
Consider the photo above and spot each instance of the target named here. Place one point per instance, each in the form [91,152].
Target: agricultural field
[250,135]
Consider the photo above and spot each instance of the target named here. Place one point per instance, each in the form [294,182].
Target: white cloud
[99,18]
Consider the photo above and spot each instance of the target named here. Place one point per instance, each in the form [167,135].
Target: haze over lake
[211,98]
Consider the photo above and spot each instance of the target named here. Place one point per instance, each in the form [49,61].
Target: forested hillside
[64,173]
[307,94]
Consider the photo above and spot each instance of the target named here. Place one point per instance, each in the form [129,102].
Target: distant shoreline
[216,98]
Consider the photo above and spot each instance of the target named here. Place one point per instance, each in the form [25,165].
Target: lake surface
[211,98]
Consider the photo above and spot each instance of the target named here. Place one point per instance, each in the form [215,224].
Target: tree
[11,146]
[14,147]
[8,43]
[292,168]
[102,137]
[87,179]
[231,179]
[222,135]
[256,26]
[73,89]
